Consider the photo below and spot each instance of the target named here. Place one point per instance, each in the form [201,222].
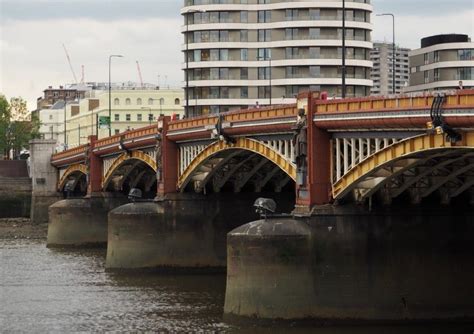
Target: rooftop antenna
[70,65]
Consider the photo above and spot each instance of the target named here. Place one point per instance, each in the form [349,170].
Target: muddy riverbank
[22,228]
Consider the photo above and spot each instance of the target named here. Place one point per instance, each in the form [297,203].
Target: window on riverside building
[116,117]
[116,102]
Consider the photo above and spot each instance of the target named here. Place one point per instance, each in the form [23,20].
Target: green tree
[17,127]
[4,125]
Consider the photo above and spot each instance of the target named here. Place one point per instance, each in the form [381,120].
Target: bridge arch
[220,161]
[419,165]
[76,176]
[135,169]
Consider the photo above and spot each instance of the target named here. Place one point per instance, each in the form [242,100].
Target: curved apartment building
[441,63]
[240,52]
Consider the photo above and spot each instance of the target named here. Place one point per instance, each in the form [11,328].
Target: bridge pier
[181,232]
[351,265]
[81,222]
[44,178]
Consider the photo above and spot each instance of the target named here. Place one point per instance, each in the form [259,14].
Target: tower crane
[70,65]
[140,74]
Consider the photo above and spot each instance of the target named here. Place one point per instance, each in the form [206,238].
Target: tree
[17,127]
[4,125]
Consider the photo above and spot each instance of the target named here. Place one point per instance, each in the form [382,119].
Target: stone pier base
[81,222]
[184,233]
[345,265]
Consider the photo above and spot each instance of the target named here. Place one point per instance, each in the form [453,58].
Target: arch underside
[237,170]
[75,177]
[447,172]
[131,173]
[245,164]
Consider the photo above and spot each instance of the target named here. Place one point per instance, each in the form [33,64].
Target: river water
[57,291]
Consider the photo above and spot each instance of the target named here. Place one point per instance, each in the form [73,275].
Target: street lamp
[269,58]
[110,93]
[343,49]
[150,115]
[186,17]
[393,48]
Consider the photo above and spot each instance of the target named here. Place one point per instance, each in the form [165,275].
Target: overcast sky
[32,33]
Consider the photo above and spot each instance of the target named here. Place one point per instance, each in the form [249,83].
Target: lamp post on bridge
[269,58]
[110,92]
[393,49]
[186,37]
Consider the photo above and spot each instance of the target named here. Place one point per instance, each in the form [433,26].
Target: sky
[32,34]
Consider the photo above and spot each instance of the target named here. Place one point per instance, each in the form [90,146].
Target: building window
[427,77]
[116,131]
[116,102]
[162,101]
[244,92]
[436,75]
[244,73]
[177,102]
[116,117]
[50,117]
[128,117]
[139,117]
[150,101]
[139,101]
[128,101]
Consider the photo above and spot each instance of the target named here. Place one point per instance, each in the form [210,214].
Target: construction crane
[140,74]
[82,76]
[70,65]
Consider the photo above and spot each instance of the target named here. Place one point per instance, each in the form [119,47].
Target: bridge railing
[454,99]
[127,135]
[74,153]
[242,115]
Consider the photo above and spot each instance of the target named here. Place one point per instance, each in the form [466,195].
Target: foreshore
[22,228]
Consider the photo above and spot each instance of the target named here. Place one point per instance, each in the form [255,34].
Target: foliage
[17,127]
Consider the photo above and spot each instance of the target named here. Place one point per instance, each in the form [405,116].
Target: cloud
[423,8]
[102,10]
[32,56]
[411,29]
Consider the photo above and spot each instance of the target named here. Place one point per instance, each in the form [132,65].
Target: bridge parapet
[71,156]
[454,99]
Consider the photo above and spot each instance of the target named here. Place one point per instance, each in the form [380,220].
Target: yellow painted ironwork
[397,151]
[136,155]
[70,170]
[243,144]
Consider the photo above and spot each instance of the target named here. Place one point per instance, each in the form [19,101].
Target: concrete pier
[44,179]
[348,265]
[81,222]
[185,232]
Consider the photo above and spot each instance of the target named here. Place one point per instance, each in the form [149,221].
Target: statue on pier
[158,158]
[300,141]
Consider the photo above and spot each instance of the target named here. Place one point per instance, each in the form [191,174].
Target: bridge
[357,149]
[380,192]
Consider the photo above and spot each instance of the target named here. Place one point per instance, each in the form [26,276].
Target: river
[57,291]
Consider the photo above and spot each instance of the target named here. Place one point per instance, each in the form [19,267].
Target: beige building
[131,108]
[441,63]
[238,53]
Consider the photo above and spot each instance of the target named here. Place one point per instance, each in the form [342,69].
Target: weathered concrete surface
[386,266]
[183,232]
[44,179]
[269,269]
[15,197]
[81,222]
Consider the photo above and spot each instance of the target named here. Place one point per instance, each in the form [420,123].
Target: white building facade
[131,108]
[240,53]
[443,62]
